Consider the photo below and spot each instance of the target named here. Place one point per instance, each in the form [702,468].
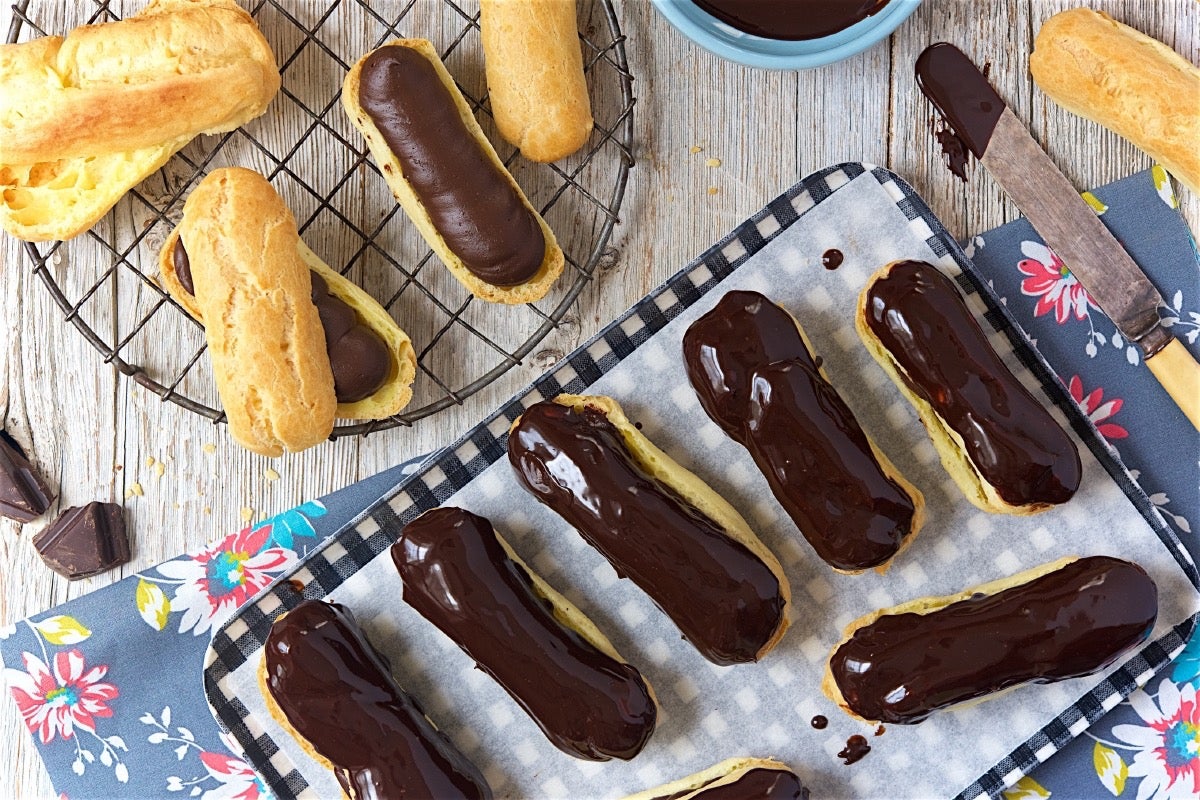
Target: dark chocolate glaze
[360,359]
[961,93]
[759,783]
[337,692]
[791,20]
[471,202]
[856,748]
[24,495]
[458,576]
[954,152]
[921,319]
[832,258]
[84,540]
[757,380]
[726,601]
[1065,624]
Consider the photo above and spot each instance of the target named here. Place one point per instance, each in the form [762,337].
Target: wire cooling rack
[105,280]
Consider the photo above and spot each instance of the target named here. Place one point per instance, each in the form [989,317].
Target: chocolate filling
[944,357]
[724,598]
[472,203]
[757,380]
[791,20]
[759,783]
[1066,624]
[337,692]
[459,577]
[360,359]
[961,93]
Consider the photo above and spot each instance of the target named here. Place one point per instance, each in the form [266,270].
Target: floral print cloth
[108,723]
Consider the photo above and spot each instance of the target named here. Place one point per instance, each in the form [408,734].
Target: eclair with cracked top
[657,523]
[733,779]
[1066,619]
[445,174]
[297,343]
[328,687]
[461,575]
[1001,446]
[754,371]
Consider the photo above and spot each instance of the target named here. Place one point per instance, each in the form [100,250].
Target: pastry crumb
[159,469]
[151,461]
[137,490]
[713,190]
[209,447]
[695,149]
[117,467]
[247,513]
[270,474]
[128,493]
[713,162]
[208,509]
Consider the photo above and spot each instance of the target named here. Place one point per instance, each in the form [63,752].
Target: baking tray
[105,281]
[710,713]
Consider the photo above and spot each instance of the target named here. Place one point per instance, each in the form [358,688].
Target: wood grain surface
[714,142]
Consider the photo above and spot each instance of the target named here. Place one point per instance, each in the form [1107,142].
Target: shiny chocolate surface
[1065,624]
[472,203]
[961,93]
[337,692]
[791,20]
[757,380]
[945,358]
[458,576]
[759,783]
[725,600]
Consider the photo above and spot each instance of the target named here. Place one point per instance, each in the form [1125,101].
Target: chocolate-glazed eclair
[754,372]
[463,577]
[1002,447]
[372,360]
[326,684]
[733,779]
[658,524]
[1066,619]
[446,175]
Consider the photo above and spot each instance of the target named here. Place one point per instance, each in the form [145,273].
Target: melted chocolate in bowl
[791,20]
[337,692]
[1065,624]
[458,576]
[726,601]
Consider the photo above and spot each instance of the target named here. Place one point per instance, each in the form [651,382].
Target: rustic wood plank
[767,129]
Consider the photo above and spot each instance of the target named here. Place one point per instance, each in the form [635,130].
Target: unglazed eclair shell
[535,78]
[395,393]
[727,772]
[75,130]
[553,260]
[949,443]
[693,491]
[1123,617]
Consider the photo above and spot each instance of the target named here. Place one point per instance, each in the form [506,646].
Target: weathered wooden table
[714,142]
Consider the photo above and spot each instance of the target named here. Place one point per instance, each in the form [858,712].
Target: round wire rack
[105,280]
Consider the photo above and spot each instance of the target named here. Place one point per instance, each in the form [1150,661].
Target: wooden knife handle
[1179,374]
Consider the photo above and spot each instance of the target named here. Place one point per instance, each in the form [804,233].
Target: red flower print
[1097,409]
[1049,280]
[55,703]
[235,778]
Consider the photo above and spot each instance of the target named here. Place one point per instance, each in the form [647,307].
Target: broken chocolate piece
[84,541]
[24,496]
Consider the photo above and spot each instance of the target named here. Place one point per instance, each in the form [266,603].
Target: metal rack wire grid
[105,280]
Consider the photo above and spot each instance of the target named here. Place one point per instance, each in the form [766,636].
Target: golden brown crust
[268,352]
[726,772]
[85,118]
[552,263]
[535,76]
[927,605]
[1130,83]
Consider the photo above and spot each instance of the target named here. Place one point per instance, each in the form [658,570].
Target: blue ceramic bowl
[730,43]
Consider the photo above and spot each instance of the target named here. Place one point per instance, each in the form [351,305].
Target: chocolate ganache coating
[757,380]
[338,694]
[725,600]
[759,783]
[457,575]
[944,357]
[791,20]
[963,96]
[472,203]
[1065,624]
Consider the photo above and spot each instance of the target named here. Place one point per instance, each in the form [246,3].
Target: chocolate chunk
[791,20]
[84,541]
[24,496]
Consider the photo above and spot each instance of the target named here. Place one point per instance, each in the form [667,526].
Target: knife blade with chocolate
[1003,144]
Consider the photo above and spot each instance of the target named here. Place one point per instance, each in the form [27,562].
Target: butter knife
[1003,144]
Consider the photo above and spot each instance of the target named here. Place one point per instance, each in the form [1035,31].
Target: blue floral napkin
[109,722]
